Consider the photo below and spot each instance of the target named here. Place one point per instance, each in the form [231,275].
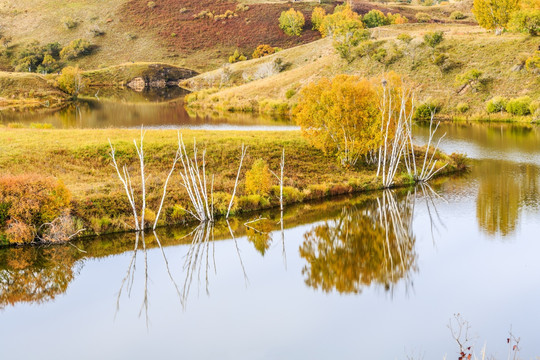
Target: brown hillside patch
[175,23]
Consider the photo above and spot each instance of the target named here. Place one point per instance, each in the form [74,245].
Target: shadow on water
[354,242]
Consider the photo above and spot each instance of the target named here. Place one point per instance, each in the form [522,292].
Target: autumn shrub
[75,49]
[404,37]
[71,81]
[258,179]
[496,104]
[462,107]
[317,17]
[236,57]
[290,194]
[532,63]
[432,39]
[292,22]
[69,23]
[28,201]
[252,202]
[457,15]
[263,50]
[397,18]
[423,17]
[472,78]
[342,19]
[375,18]
[290,93]
[34,57]
[425,110]
[519,106]
[526,21]
[340,116]
[151,4]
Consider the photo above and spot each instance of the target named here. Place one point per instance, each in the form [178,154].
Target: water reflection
[505,188]
[368,244]
[36,275]
[125,108]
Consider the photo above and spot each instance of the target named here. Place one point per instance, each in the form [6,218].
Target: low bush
[236,57]
[27,202]
[496,104]
[69,23]
[423,17]
[432,39]
[457,15]
[290,93]
[263,50]
[375,18]
[424,111]
[397,18]
[75,49]
[532,63]
[519,106]
[462,107]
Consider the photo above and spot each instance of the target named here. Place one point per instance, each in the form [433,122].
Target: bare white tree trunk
[194,181]
[280,179]
[176,158]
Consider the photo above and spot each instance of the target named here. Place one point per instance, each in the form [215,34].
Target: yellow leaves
[258,179]
[340,115]
[342,18]
[494,14]
[292,22]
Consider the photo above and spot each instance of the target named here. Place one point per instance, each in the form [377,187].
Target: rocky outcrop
[159,76]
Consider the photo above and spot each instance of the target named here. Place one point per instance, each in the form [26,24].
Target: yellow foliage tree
[341,116]
[343,16]
[71,81]
[292,22]
[317,17]
[258,179]
[494,14]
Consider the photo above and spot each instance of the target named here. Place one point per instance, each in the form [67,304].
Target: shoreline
[99,203]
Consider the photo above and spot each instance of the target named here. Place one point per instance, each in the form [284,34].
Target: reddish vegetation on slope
[258,25]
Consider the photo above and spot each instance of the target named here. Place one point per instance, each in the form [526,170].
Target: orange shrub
[27,201]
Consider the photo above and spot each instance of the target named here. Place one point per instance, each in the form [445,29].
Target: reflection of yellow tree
[259,235]
[35,275]
[366,245]
[499,196]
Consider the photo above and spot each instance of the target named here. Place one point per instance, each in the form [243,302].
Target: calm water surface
[376,276]
[124,108]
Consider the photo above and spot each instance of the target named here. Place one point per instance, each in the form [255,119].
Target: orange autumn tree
[340,116]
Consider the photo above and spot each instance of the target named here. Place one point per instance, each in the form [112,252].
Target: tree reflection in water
[505,188]
[36,275]
[368,244]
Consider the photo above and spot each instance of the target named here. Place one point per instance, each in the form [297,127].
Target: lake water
[374,276]
[155,109]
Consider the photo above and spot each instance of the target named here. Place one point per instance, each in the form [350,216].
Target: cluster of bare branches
[125,178]
[397,140]
[194,180]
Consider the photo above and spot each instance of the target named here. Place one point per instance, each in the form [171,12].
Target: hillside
[467,47]
[169,31]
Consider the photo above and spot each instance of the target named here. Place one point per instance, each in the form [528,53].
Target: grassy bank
[80,160]
[21,91]
[465,48]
